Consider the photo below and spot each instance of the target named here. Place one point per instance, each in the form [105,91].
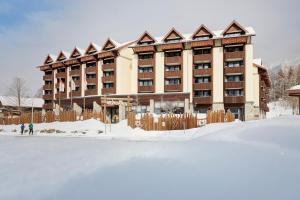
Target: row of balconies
[227,100]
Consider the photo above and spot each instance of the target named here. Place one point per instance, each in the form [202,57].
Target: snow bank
[279,108]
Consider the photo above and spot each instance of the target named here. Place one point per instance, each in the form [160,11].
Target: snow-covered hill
[253,160]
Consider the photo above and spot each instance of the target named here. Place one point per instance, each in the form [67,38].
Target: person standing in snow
[22,128]
[31,129]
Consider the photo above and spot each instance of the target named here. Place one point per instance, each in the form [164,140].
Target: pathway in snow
[252,160]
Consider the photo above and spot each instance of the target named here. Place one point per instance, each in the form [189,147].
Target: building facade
[179,72]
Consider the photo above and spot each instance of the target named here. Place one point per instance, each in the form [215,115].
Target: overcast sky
[30,29]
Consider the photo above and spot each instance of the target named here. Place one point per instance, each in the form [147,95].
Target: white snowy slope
[280,108]
[253,160]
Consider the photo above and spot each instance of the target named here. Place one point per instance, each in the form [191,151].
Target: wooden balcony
[75,94]
[173,60]
[75,72]
[234,85]
[202,86]
[62,95]
[234,55]
[48,96]
[173,88]
[92,81]
[57,85]
[108,90]
[109,67]
[106,54]
[91,70]
[91,92]
[48,77]
[146,62]
[234,100]
[170,74]
[146,75]
[234,70]
[202,43]
[48,87]
[48,106]
[108,79]
[61,75]
[234,40]
[202,100]
[202,57]
[171,46]
[146,89]
[141,49]
[200,72]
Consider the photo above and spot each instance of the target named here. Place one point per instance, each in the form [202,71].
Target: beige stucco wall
[218,75]
[159,75]
[124,61]
[83,67]
[188,72]
[134,74]
[100,74]
[249,73]
[255,86]
[54,82]
[68,89]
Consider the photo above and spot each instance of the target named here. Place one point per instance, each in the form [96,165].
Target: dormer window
[205,37]
[236,34]
[146,39]
[234,30]
[146,43]
[173,36]
[173,40]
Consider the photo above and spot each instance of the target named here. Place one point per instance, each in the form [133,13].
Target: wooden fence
[48,117]
[177,122]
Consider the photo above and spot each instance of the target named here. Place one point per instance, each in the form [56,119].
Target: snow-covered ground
[279,108]
[251,160]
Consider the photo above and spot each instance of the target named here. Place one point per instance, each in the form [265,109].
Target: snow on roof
[98,48]
[296,87]
[258,63]
[25,102]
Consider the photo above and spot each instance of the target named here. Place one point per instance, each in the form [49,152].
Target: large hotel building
[190,72]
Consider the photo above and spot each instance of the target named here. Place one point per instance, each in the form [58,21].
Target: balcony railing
[202,57]
[61,95]
[48,106]
[234,70]
[146,89]
[106,79]
[199,72]
[91,92]
[91,69]
[48,87]
[234,55]
[239,84]
[61,74]
[48,96]
[234,99]
[203,43]
[48,77]
[110,66]
[202,100]
[108,90]
[146,75]
[173,60]
[75,93]
[146,62]
[202,86]
[173,73]
[75,72]
[173,88]
[234,40]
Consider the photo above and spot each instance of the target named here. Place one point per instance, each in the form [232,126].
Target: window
[173,81]
[48,92]
[236,34]
[145,82]
[76,78]
[234,49]
[77,88]
[145,69]
[75,67]
[202,65]
[61,70]
[108,73]
[206,37]
[91,75]
[238,63]
[48,82]
[234,78]
[108,85]
[202,93]
[145,56]
[202,51]
[173,54]
[91,87]
[91,64]
[234,92]
[48,101]
[203,79]
[173,40]
[172,68]
[109,61]
[146,42]
[48,73]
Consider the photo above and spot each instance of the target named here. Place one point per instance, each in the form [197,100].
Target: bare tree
[17,90]
[39,93]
